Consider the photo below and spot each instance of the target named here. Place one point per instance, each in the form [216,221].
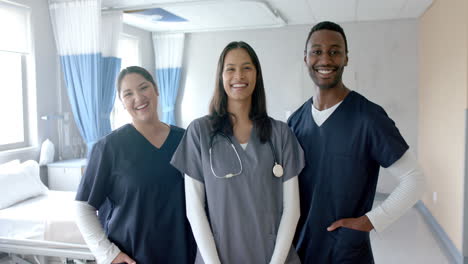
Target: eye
[335,52]
[248,68]
[126,95]
[229,69]
[144,87]
[316,52]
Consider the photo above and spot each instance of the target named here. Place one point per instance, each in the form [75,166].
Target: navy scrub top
[343,157]
[139,196]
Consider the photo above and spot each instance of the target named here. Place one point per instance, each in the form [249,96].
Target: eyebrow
[232,64]
[141,84]
[333,45]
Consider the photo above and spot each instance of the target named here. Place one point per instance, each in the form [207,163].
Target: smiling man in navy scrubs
[346,139]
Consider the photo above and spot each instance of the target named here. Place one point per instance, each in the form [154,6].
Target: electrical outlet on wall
[434,197]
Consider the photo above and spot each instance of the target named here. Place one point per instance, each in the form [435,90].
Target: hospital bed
[41,229]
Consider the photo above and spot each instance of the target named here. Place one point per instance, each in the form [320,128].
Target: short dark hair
[219,115]
[327,25]
[138,70]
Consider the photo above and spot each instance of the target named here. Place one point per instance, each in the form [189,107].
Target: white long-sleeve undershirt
[289,219]
[103,250]
[411,186]
[195,202]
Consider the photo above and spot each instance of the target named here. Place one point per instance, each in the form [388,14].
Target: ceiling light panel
[214,15]
[138,3]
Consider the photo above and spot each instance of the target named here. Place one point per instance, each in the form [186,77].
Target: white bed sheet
[47,217]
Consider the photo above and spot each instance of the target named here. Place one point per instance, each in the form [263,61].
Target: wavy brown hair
[221,119]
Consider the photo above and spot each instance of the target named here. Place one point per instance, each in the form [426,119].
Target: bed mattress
[47,217]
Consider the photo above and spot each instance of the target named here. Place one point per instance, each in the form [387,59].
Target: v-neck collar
[335,112]
[148,142]
[237,144]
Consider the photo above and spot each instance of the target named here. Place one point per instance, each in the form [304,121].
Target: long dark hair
[219,115]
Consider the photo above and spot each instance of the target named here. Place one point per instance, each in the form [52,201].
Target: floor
[408,240]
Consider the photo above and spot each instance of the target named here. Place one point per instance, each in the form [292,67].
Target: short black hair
[327,25]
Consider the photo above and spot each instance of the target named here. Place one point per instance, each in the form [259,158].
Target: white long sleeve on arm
[103,250]
[289,219]
[409,190]
[195,203]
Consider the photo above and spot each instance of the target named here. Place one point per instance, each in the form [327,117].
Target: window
[14,58]
[130,53]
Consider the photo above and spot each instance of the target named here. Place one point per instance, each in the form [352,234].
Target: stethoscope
[277,168]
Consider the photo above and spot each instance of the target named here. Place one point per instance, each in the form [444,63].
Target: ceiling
[212,15]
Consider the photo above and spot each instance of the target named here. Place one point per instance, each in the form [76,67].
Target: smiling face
[326,58]
[239,75]
[139,97]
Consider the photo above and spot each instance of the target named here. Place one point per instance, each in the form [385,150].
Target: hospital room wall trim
[443,240]
[446,244]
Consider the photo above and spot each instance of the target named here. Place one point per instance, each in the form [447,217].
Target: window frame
[26,66]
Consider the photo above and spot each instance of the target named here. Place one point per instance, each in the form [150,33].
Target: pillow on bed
[20,183]
[13,164]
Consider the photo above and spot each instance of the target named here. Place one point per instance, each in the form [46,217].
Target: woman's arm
[195,202]
[103,250]
[289,219]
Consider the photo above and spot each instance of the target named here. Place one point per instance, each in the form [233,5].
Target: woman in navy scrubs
[139,196]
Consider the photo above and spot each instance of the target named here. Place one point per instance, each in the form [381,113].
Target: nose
[238,74]
[139,96]
[325,58]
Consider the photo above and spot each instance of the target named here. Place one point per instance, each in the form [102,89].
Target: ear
[156,89]
[305,58]
[346,60]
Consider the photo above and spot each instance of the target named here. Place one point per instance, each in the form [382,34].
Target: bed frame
[69,253]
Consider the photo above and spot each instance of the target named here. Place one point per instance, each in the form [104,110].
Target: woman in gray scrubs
[241,170]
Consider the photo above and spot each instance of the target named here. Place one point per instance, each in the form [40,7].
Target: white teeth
[141,106]
[324,71]
[238,85]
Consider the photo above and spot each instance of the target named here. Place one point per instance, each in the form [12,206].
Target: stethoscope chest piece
[278,170]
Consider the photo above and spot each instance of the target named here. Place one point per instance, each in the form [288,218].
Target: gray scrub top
[244,211]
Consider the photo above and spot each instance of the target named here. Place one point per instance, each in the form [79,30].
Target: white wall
[146,46]
[382,66]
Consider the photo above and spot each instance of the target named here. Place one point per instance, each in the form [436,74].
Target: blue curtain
[90,81]
[110,67]
[87,41]
[168,52]
[168,83]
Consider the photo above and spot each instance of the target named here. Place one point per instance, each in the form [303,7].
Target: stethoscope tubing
[229,175]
